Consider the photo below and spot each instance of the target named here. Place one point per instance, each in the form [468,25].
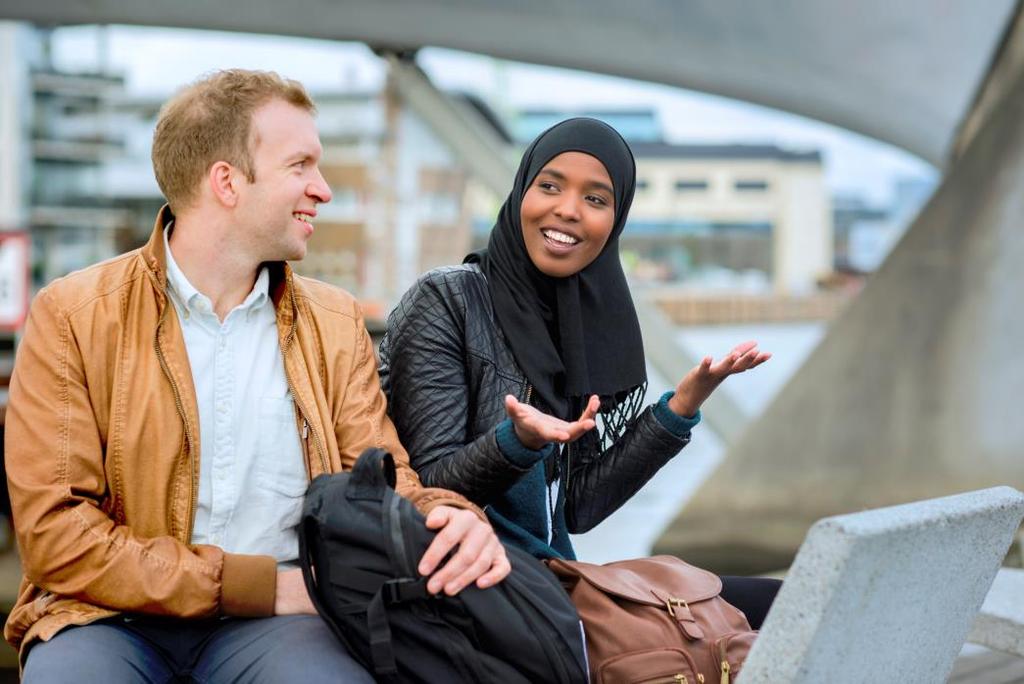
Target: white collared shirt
[252,477]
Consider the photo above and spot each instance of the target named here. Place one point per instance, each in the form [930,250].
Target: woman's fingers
[743,347]
[548,428]
[725,366]
[750,359]
[590,411]
[579,428]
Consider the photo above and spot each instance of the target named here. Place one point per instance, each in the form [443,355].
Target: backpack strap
[306,561]
[372,475]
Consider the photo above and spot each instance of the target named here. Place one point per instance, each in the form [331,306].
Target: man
[168,408]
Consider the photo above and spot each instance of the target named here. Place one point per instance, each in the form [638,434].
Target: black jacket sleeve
[599,486]
[424,373]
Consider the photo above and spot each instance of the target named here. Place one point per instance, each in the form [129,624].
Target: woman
[518,377]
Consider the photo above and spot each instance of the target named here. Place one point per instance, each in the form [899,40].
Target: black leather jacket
[446,368]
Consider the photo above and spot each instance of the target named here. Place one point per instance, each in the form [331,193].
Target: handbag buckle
[671,603]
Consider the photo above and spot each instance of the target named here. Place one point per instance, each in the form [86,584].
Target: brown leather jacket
[102,443]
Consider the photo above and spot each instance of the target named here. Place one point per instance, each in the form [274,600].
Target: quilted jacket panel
[446,368]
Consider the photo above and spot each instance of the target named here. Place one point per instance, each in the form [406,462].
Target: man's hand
[535,429]
[697,385]
[480,556]
[291,597]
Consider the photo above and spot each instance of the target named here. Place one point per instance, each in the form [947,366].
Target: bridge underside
[904,72]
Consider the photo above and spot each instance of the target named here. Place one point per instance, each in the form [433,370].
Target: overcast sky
[155,61]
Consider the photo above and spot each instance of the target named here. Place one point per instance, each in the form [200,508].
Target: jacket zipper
[529,393]
[295,395]
[193,490]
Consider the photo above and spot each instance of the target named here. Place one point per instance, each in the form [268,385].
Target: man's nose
[319,189]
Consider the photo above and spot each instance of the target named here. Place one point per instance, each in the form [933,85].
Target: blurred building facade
[720,217]
[743,218]
[76,174]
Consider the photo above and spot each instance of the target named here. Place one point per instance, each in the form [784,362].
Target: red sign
[15,253]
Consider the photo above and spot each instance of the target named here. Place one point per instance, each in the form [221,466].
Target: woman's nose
[568,208]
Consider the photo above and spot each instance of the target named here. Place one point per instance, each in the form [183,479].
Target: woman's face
[567,214]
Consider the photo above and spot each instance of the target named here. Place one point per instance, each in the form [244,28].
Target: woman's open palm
[698,384]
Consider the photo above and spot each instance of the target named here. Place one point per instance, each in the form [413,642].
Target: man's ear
[223,179]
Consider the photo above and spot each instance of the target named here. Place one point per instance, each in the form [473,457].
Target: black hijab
[578,335]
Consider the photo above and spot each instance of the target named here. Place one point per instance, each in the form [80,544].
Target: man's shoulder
[78,288]
[326,297]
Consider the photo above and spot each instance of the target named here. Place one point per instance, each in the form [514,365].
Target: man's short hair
[210,120]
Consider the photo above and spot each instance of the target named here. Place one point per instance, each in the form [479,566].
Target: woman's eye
[547,185]
[597,199]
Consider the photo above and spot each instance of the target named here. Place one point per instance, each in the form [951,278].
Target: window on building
[751,185]
[440,207]
[691,185]
[346,202]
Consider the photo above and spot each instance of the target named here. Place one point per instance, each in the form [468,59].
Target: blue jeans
[289,648]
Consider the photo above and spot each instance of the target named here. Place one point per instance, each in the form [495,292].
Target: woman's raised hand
[697,385]
[535,429]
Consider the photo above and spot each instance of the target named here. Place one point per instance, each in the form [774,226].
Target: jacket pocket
[280,468]
[652,666]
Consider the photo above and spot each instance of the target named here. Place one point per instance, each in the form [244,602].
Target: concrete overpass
[904,72]
[915,392]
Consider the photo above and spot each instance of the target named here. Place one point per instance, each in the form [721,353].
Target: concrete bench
[1000,624]
[887,594]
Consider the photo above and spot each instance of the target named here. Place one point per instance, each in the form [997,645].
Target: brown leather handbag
[654,620]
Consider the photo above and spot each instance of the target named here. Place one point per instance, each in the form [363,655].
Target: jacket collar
[154,254]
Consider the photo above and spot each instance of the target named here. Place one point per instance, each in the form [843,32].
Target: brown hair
[210,120]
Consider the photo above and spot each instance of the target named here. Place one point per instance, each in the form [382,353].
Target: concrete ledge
[1000,624]
[887,594]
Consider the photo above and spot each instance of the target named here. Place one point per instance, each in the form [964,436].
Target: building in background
[75,156]
[720,217]
[74,151]
[866,233]
[741,217]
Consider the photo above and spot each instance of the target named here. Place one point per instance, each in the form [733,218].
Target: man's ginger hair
[210,120]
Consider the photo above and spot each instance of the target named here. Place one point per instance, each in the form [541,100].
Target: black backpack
[360,543]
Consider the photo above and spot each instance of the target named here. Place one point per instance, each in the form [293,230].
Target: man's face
[276,210]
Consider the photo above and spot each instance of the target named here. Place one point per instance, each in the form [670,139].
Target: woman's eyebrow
[558,175]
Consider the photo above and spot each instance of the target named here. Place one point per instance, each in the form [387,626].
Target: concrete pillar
[915,392]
